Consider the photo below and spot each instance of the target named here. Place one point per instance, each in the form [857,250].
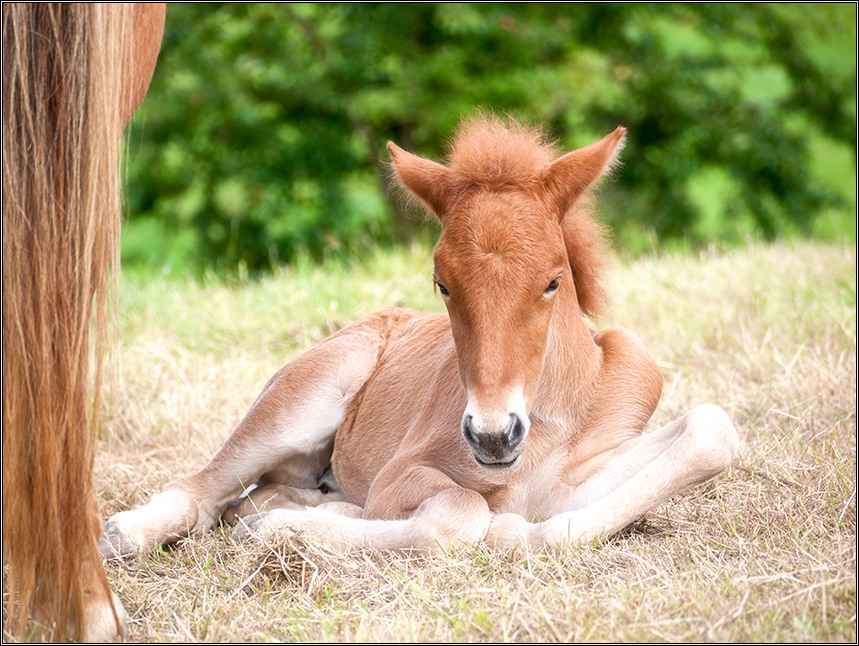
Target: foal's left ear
[567,178]
[425,179]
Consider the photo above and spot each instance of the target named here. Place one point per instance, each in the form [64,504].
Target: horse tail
[61,216]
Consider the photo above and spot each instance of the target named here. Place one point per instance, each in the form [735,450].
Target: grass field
[765,552]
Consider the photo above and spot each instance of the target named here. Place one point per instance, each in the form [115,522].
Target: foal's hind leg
[286,437]
[645,472]
[278,496]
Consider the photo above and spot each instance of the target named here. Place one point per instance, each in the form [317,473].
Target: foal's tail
[61,131]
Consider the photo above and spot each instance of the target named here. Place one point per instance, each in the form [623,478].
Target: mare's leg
[287,437]
[104,619]
[431,512]
[643,473]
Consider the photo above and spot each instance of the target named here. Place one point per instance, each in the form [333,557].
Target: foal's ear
[567,178]
[425,179]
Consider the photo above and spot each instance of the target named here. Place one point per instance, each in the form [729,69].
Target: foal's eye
[553,286]
[443,290]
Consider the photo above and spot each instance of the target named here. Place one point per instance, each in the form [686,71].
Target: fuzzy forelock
[494,152]
[491,152]
[487,150]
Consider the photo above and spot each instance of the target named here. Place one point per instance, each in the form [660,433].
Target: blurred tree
[266,123]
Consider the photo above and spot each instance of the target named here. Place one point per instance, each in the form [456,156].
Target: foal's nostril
[468,433]
[517,431]
[498,444]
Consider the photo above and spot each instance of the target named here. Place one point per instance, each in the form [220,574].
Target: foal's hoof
[251,526]
[260,525]
[115,545]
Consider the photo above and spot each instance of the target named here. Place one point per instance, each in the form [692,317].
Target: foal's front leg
[286,437]
[423,509]
[647,471]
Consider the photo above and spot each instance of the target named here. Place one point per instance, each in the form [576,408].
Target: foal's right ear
[567,178]
[425,179]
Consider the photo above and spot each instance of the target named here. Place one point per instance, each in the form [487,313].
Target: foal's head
[512,244]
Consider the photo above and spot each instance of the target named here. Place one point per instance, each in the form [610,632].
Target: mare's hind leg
[642,473]
[286,437]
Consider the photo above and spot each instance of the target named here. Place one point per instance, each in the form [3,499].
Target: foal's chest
[532,488]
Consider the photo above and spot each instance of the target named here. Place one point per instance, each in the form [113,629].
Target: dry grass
[765,552]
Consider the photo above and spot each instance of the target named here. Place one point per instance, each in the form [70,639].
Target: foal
[475,425]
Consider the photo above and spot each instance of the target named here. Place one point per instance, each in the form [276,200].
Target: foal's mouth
[497,465]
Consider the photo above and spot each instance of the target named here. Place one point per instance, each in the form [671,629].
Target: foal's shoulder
[627,365]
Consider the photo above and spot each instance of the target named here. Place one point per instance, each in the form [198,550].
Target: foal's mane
[488,152]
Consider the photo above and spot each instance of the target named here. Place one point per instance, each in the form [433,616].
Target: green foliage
[263,133]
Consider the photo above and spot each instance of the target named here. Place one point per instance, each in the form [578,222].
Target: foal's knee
[715,438]
[451,517]
[507,530]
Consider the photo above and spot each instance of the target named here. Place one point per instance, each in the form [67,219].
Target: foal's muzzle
[495,446]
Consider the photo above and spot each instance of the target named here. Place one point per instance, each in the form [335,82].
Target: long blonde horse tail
[61,216]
